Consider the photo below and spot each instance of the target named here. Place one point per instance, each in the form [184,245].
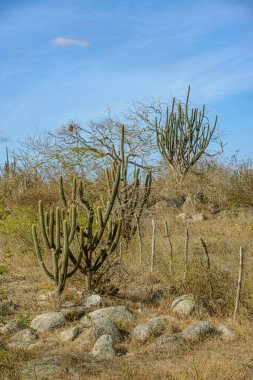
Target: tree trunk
[89,280]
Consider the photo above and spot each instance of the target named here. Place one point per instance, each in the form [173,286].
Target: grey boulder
[198,331]
[22,340]
[13,326]
[48,368]
[92,300]
[169,341]
[226,333]
[184,306]
[117,314]
[103,347]
[104,326]
[48,321]
[153,328]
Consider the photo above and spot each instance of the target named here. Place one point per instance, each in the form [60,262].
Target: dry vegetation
[225,197]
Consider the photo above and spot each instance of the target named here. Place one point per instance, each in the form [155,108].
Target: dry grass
[22,280]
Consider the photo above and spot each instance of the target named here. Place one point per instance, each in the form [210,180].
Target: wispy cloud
[63,41]
[19,51]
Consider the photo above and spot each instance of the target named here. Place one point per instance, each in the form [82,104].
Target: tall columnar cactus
[185,136]
[9,168]
[131,197]
[58,230]
[99,235]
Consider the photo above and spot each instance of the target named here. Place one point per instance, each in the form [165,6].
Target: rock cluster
[100,330]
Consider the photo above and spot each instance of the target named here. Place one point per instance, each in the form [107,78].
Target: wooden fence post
[153,246]
[169,245]
[239,283]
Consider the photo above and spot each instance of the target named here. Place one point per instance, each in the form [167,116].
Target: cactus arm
[100,260]
[76,267]
[81,195]
[74,261]
[57,229]
[62,192]
[113,195]
[65,257]
[74,189]
[73,224]
[97,237]
[51,229]
[117,236]
[38,254]
[104,253]
[56,255]
[100,217]
[43,227]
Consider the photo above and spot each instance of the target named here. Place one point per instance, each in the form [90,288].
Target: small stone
[42,297]
[48,321]
[92,300]
[183,216]
[13,326]
[22,340]
[141,310]
[47,368]
[49,296]
[169,341]
[226,333]
[199,217]
[103,348]
[26,335]
[142,332]
[198,331]
[153,328]
[184,306]
[69,334]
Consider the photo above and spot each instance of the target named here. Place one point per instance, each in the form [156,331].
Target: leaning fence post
[170,246]
[186,253]
[239,283]
[153,246]
[140,239]
[208,263]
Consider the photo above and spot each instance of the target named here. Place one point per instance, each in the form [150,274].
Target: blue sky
[63,60]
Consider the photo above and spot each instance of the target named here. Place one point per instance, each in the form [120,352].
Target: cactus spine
[57,235]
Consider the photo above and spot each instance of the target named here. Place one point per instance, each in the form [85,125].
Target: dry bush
[131,283]
[210,186]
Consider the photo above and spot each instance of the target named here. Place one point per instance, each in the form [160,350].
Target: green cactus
[57,234]
[132,197]
[184,138]
[9,168]
[100,234]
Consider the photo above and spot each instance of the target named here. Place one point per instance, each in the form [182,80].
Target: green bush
[16,227]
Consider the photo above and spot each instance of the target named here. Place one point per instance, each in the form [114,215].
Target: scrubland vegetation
[117,221]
